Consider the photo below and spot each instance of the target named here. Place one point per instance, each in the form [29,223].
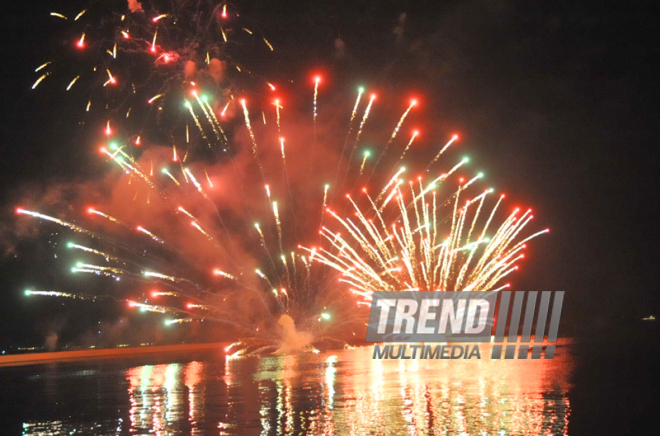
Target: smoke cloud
[217,69]
[292,340]
[233,198]
[134,6]
[189,69]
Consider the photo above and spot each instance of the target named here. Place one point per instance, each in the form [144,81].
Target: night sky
[556,101]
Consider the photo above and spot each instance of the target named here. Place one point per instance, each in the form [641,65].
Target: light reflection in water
[340,392]
[155,397]
[192,376]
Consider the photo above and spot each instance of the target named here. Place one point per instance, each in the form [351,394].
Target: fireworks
[424,247]
[188,231]
[29,293]
[135,61]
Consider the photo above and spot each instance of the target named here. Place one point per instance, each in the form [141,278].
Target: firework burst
[415,241]
[134,62]
[234,238]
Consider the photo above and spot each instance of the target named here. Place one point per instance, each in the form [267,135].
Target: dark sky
[557,101]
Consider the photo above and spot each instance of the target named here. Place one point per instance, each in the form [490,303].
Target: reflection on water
[341,392]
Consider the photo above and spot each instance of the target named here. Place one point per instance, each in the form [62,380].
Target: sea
[337,392]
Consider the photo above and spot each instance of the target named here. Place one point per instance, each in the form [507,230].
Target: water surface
[337,392]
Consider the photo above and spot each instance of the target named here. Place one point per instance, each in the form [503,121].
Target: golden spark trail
[442,150]
[197,306]
[355,108]
[120,150]
[246,114]
[108,217]
[286,170]
[277,111]
[147,232]
[75,79]
[40,79]
[357,137]
[207,115]
[199,125]
[93,251]
[135,171]
[76,270]
[263,276]
[364,118]
[218,272]
[413,103]
[278,223]
[249,127]
[154,98]
[288,273]
[394,192]
[256,225]
[151,308]
[195,182]
[29,293]
[162,276]
[42,66]
[198,227]
[111,78]
[282,148]
[83,267]
[164,293]
[412,138]
[490,218]
[268,44]
[325,195]
[179,321]
[392,181]
[364,161]
[444,176]
[188,214]
[164,170]
[317,80]
[215,119]
[54,220]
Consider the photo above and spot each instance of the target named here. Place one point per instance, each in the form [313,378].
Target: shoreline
[67,356]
